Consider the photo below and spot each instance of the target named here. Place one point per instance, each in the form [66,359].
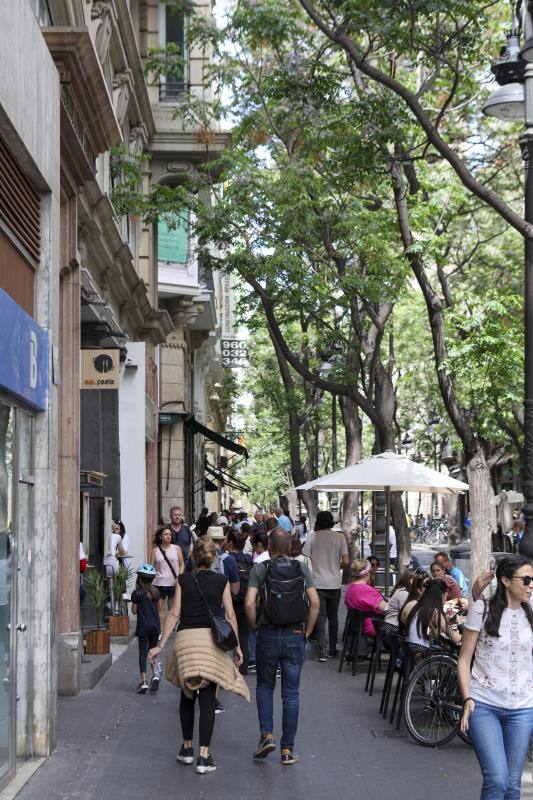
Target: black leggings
[206,701]
[146,643]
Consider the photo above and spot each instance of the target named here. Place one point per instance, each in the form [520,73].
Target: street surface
[117,744]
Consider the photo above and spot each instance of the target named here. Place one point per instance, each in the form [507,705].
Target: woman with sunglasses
[498,693]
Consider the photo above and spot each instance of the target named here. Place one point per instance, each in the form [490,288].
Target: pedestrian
[260,548]
[328,552]
[181,533]
[167,558]
[283,520]
[202,523]
[497,688]
[297,553]
[258,524]
[196,665]
[144,602]
[288,608]
[236,541]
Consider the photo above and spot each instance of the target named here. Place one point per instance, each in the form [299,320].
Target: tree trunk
[482,513]
[353,428]
[310,500]
[403,538]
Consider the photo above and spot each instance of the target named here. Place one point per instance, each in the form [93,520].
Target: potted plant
[97,641]
[119,622]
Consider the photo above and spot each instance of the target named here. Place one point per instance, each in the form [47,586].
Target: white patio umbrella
[388,472]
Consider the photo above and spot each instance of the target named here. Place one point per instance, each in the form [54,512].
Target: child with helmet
[144,599]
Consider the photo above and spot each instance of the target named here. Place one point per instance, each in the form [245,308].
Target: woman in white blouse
[498,693]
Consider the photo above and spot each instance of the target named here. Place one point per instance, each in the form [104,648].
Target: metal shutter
[20,205]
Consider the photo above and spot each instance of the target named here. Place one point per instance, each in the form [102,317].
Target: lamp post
[406,443]
[514,100]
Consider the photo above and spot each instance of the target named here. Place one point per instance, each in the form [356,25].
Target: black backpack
[244,567]
[283,595]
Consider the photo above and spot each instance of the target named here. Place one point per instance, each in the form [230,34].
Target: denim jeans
[329,609]
[500,738]
[252,641]
[286,647]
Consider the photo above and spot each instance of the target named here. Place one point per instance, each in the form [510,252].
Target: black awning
[196,427]
[226,479]
[210,486]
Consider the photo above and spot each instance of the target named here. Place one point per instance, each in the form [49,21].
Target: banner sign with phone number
[234,353]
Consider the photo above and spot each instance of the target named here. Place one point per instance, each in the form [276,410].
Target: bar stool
[408,662]
[353,632]
[396,644]
[375,655]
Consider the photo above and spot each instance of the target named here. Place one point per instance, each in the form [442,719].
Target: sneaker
[154,684]
[185,755]
[142,688]
[278,672]
[267,743]
[288,756]
[322,658]
[219,708]
[252,668]
[205,764]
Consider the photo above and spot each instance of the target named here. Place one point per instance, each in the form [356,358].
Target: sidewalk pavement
[115,743]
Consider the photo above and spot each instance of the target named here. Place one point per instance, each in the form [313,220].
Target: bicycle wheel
[433,701]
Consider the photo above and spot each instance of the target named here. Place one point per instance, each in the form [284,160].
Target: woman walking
[167,559]
[199,666]
[498,693]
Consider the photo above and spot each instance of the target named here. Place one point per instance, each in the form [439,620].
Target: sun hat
[215,532]
[222,520]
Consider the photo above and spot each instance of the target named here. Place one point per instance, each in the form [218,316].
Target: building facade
[110,370]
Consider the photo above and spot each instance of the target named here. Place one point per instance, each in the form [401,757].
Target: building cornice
[75,57]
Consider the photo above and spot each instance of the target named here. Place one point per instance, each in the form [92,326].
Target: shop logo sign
[100,369]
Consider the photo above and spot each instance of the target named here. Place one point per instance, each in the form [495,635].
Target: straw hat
[215,532]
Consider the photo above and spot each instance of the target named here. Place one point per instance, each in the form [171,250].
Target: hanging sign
[234,353]
[100,369]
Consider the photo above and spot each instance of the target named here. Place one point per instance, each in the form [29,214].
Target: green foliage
[95,584]
[120,582]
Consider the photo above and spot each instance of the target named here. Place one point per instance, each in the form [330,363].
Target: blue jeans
[286,647]
[252,641]
[500,738]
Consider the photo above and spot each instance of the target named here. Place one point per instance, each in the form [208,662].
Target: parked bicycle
[433,705]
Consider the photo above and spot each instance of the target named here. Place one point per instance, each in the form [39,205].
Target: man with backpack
[288,609]
[235,542]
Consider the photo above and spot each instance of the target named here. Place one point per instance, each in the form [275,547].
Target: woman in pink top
[362,597]
[167,559]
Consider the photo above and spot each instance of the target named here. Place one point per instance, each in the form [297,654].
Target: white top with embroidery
[502,673]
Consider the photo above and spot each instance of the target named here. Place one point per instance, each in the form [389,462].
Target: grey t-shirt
[325,549]
[258,575]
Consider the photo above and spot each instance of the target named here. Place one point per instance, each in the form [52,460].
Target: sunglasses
[526,579]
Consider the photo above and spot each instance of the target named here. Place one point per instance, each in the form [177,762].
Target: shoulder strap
[173,571]
[195,576]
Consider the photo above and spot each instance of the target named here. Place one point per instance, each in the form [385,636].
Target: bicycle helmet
[146,571]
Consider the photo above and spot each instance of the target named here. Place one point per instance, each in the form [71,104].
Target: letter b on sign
[33,359]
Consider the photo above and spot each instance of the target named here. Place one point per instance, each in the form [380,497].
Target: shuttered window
[20,205]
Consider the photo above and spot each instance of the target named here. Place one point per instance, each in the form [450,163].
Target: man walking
[327,550]
[288,608]
[181,533]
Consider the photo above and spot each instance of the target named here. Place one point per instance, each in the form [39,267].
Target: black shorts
[166,591]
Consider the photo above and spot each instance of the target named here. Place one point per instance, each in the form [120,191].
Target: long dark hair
[158,536]
[506,568]
[143,585]
[405,578]
[429,603]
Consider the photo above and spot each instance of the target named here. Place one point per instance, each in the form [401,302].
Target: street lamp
[514,67]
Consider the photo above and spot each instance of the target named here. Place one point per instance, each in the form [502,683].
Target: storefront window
[7,441]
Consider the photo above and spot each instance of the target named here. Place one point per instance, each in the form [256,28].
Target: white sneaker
[142,688]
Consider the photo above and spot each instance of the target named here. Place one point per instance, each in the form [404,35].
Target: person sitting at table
[374,566]
[399,596]
[416,590]
[426,620]
[439,573]
[360,596]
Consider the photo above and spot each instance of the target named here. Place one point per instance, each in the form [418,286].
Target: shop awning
[196,427]
[226,479]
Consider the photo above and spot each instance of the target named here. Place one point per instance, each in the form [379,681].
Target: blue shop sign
[24,354]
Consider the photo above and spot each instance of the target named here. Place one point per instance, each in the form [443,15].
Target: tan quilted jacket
[195,660]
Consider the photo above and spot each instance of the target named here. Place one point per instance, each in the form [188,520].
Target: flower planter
[97,642]
[119,625]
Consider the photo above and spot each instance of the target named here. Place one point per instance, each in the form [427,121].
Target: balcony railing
[170,91]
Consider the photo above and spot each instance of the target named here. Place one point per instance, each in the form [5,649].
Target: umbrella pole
[387,539]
